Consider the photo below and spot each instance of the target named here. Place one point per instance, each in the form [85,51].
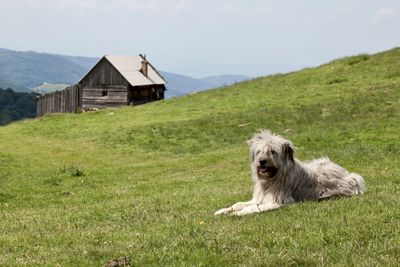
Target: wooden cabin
[114,81]
[121,80]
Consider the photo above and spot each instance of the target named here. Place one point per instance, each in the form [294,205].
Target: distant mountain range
[43,72]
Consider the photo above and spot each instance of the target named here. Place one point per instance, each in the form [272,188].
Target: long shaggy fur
[280,179]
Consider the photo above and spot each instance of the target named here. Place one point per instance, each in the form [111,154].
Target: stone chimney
[145,66]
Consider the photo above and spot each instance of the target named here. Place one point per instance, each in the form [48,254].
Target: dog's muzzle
[265,170]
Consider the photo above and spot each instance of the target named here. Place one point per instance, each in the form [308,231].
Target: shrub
[74,171]
[357,59]
[77,171]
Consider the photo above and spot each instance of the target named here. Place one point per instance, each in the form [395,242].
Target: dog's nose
[263,162]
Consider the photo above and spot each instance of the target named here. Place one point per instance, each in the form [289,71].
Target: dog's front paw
[245,211]
[238,213]
[223,211]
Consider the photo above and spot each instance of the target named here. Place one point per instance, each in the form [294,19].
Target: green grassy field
[144,182]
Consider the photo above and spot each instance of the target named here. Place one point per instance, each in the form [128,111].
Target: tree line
[16,106]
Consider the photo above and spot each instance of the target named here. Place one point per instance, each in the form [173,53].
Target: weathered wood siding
[104,87]
[103,74]
[67,100]
[107,96]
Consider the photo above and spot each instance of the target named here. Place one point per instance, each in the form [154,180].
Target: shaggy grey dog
[280,179]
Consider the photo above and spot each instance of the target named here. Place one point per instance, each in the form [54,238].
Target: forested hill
[15,106]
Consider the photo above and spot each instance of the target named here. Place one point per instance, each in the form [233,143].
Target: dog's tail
[357,181]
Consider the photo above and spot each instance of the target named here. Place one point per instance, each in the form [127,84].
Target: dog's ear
[288,149]
[250,144]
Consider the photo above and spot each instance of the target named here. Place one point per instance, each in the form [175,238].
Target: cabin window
[104,93]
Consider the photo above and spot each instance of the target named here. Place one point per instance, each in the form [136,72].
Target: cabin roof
[130,68]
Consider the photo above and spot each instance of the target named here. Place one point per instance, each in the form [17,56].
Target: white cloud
[82,6]
[150,5]
[386,14]
[227,7]
[194,7]
[58,5]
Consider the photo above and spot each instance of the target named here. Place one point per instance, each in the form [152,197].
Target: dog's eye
[273,152]
[258,152]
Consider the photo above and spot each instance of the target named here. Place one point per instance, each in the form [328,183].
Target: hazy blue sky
[204,37]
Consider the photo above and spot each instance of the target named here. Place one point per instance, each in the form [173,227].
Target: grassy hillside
[144,182]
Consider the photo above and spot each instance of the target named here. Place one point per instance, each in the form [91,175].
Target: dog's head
[269,154]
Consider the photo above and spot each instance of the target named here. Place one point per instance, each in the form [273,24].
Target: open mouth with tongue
[267,171]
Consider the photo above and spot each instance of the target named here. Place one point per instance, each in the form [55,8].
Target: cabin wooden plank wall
[106,96]
[103,74]
[104,87]
[67,100]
